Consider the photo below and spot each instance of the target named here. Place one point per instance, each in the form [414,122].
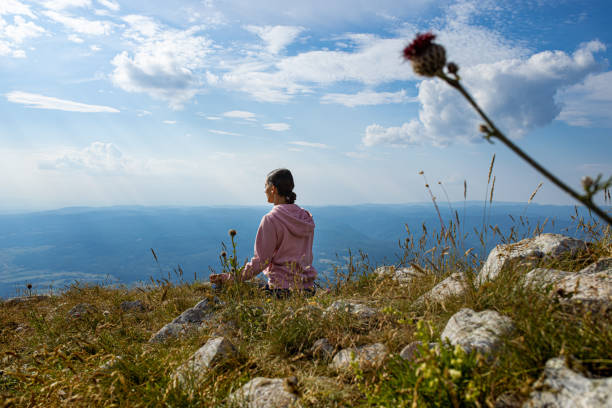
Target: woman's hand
[219,278]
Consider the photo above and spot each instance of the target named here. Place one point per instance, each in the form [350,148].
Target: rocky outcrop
[365,357]
[454,285]
[357,310]
[216,350]
[191,318]
[263,392]
[481,331]
[527,253]
[560,387]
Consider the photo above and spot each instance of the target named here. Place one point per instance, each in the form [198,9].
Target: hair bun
[291,197]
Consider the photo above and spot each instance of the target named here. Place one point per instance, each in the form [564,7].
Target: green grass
[49,360]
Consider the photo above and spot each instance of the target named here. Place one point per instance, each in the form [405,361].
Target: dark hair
[283,181]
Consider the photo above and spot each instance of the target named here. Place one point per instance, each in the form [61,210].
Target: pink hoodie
[283,248]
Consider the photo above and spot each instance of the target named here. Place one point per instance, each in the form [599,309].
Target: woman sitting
[283,246]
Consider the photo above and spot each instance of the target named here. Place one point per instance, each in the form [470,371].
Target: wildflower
[232,233]
[427,58]
[455,374]
[452,68]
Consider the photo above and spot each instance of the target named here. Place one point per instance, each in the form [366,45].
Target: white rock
[403,276]
[263,392]
[480,331]
[560,387]
[591,286]
[542,277]
[454,285]
[215,350]
[168,331]
[527,252]
[358,310]
[366,357]
[204,310]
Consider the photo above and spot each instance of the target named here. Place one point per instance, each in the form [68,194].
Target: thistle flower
[232,233]
[427,58]
[452,68]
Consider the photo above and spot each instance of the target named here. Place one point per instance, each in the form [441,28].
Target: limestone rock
[527,252]
[454,285]
[560,387]
[591,286]
[263,392]
[133,306]
[477,331]
[403,276]
[202,311]
[543,277]
[410,351]
[81,310]
[366,357]
[358,310]
[168,331]
[322,349]
[215,350]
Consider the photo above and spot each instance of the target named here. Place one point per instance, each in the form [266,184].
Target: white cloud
[75,39]
[20,30]
[140,27]
[110,4]
[46,102]
[62,4]
[310,144]
[589,103]
[518,94]
[95,48]
[223,132]
[367,98]
[241,115]
[169,122]
[81,25]
[15,7]
[143,112]
[164,65]
[277,37]
[99,157]
[277,127]
[213,118]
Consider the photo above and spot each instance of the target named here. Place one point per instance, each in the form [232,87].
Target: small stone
[480,331]
[133,306]
[403,276]
[202,311]
[560,387]
[110,363]
[168,331]
[366,357]
[454,285]
[215,350]
[81,310]
[358,310]
[322,349]
[263,392]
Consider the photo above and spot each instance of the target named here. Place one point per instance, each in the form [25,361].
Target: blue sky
[110,102]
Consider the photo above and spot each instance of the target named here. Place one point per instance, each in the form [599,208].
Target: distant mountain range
[53,249]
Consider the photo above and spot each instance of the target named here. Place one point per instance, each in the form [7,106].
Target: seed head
[232,233]
[484,128]
[29,286]
[224,254]
[587,182]
[427,58]
[452,68]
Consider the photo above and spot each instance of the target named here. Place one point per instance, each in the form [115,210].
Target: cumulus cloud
[20,29]
[37,101]
[238,114]
[99,157]
[310,144]
[164,63]
[519,94]
[81,25]
[277,127]
[367,98]
[277,37]
[589,103]
[15,7]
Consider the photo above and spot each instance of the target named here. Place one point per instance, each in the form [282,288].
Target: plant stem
[495,132]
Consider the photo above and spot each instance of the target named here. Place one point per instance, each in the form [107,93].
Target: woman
[283,246]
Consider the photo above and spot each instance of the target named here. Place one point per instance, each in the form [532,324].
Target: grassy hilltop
[49,358]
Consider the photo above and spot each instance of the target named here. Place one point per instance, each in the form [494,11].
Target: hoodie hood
[298,221]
